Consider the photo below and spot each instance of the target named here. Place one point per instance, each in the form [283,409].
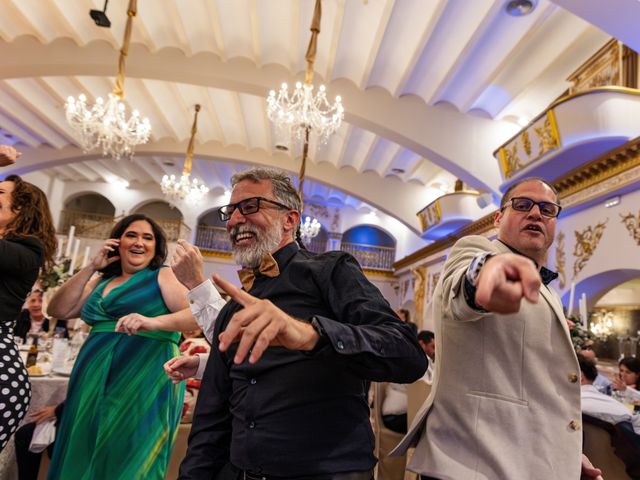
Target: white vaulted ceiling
[430,87]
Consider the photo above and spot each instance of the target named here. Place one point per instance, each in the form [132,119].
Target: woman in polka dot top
[27,243]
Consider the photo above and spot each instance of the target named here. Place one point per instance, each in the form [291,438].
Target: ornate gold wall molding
[430,215]
[610,171]
[215,253]
[613,64]
[419,291]
[560,260]
[483,226]
[586,242]
[517,152]
[434,281]
[633,225]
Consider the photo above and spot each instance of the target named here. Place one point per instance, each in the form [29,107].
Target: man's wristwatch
[473,272]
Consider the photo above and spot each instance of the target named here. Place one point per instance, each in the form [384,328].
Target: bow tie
[268,267]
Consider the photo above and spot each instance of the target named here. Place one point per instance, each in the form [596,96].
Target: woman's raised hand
[102,258]
[8,155]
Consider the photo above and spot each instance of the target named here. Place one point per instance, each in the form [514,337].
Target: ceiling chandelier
[302,112]
[187,190]
[309,229]
[105,124]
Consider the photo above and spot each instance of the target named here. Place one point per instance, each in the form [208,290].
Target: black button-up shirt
[299,413]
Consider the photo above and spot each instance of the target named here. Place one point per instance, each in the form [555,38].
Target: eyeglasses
[246,207]
[524,204]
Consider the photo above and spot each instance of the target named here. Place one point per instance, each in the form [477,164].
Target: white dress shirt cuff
[202,358]
[205,303]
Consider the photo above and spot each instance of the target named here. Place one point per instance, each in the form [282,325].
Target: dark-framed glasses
[247,207]
[524,204]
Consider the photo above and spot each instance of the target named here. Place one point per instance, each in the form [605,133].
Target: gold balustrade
[371,257]
[97,225]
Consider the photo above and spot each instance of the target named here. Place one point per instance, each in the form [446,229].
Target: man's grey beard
[267,241]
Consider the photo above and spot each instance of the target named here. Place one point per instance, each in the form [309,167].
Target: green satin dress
[122,412]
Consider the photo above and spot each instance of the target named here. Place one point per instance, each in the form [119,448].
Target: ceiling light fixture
[105,125]
[187,190]
[520,8]
[302,112]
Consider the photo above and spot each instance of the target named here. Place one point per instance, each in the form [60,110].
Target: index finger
[530,279]
[240,296]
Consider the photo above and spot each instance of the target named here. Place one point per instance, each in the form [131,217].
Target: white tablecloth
[47,390]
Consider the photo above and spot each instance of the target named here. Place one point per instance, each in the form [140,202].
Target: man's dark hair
[588,368]
[632,363]
[507,195]
[426,336]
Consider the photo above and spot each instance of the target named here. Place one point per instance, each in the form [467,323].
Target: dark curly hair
[115,269]
[33,217]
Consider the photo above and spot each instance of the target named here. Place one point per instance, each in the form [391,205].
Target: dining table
[46,389]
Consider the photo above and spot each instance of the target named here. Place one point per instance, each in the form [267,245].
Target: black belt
[362,475]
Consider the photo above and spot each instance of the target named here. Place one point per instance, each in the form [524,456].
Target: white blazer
[505,403]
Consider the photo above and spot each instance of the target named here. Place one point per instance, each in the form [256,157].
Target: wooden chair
[389,468]
[417,393]
[597,444]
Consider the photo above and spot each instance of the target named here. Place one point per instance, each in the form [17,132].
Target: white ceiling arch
[428,86]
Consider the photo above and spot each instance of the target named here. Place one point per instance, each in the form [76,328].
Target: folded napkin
[43,436]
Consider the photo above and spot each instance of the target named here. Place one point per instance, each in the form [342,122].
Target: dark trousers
[28,462]
[230,472]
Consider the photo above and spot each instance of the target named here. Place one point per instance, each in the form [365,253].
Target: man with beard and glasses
[505,402]
[283,394]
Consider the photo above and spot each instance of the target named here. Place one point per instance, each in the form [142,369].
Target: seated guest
[28,461]
[597,404]
[628,380]
[602,383]
[32,319]
[394,407]
[427,341]
[405,316]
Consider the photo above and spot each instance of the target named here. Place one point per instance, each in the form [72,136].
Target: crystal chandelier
[309,229]
[187,190]
[302,112]
[105,124]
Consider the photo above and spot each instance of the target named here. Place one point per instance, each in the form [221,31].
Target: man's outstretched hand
[504,281]
[261,324]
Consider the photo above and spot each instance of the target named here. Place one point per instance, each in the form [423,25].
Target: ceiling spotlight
[520,8]
[100,16]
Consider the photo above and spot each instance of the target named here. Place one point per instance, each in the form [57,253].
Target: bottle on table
[32,356]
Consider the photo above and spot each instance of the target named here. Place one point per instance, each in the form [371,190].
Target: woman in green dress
[122,412]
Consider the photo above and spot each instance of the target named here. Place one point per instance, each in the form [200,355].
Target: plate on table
[38,371]
[63,371]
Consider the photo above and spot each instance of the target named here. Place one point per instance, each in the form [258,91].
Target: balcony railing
[317,245]
[88,225]
[372,257]
[213,238]
[96,225]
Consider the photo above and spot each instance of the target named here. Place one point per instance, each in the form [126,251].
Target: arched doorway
[91,214]
[169,218]
[373,247]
